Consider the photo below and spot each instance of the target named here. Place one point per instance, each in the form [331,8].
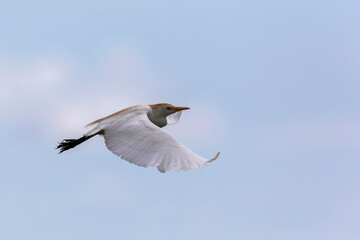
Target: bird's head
[165,109]
[164,113]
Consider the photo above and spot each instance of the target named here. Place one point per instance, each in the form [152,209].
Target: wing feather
[133,137]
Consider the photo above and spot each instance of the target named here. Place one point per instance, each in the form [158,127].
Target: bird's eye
[168,108]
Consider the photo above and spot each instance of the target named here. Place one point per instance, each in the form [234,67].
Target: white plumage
[132,135]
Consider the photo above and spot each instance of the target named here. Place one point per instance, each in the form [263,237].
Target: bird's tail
[67,144]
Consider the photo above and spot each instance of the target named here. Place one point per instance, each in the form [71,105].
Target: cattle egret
[136,135]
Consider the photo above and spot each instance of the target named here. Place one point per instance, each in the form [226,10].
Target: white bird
[136,135]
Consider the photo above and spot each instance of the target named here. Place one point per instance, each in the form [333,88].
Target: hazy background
[273,85]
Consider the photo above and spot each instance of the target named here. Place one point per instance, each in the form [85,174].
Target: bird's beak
[176,109]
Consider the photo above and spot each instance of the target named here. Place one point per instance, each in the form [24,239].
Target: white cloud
[54,95]
[21,83]
[58,96]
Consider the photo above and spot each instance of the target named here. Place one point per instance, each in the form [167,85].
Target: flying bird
[135,134]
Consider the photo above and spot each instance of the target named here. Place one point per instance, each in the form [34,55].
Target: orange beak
[180,108]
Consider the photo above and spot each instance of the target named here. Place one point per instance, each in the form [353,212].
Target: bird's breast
[160,122]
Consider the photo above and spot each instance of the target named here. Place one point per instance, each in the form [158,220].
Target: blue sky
[273,85]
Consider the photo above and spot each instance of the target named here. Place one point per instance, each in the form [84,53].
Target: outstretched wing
[137,140]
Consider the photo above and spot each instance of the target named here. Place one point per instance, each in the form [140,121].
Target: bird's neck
[156,119]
